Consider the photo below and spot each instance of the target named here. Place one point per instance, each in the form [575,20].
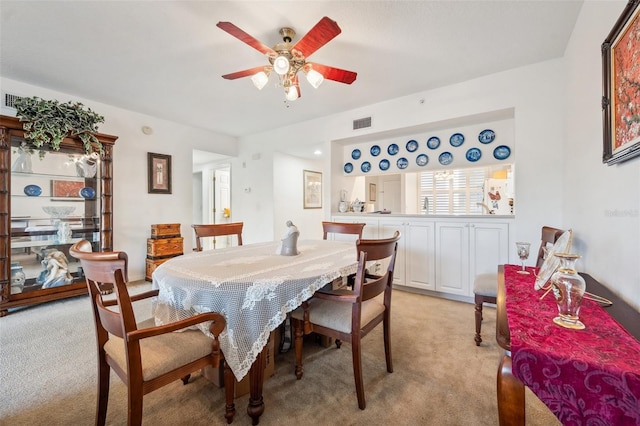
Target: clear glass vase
[568,289]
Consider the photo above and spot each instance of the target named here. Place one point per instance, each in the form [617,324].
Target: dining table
[254,287]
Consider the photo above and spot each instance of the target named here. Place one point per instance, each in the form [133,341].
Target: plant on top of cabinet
[49,122]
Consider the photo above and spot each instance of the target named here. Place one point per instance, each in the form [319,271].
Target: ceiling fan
[286,59]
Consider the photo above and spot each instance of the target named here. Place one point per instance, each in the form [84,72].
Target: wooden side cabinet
[49,201]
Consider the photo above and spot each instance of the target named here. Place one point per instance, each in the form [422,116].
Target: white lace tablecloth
[252,286]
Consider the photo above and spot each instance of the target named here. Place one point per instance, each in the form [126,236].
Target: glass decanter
[568,289]
[523,254]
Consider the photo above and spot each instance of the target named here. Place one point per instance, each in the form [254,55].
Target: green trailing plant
[48,122]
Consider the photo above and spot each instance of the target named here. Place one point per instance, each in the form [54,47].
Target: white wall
[534,93]
[602,203]
[135,209]
[288,200]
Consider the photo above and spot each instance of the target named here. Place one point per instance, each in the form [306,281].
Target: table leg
[510,395]
[256,376]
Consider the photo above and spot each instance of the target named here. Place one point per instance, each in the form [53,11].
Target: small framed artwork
[159,173]
[312,189]
[372,192]
[66,188]
[621,87]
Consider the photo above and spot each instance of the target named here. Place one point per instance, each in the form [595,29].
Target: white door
[489,245]
[387,228]
[419,244]
[452,258]
[391,196]
[221,204]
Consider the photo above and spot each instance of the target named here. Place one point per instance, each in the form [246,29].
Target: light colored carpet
[48,374]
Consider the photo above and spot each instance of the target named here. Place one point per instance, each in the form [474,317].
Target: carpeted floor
[48,374]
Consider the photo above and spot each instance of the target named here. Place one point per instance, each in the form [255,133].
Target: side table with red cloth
[586,377]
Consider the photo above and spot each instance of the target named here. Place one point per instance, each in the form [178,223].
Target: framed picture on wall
[312,189]
[159,171]
[372,192]
[621,87]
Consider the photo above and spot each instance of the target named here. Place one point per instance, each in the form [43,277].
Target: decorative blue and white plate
[473,155]
[384,164]
[433,142]
[87,192]
[422,160]
[365,167]
[375,150]
[502,152]
[412,145]
[348,168]
[402,163]
[355,154]
[486,136]
[32,190]
[456,139]
[393,149]
[445,158]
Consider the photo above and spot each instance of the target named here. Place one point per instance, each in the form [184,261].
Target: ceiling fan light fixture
[281,65]
[314,78]
[260,79]
[291,93]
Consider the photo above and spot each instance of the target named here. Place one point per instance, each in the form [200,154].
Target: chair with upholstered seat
[217,230]
[354,229]
[485,286]
[146,357]
[350,315]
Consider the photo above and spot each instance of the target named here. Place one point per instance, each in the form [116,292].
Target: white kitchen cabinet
[466,249]
[415,261]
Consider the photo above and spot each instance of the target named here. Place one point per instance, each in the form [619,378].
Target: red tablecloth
[586,377]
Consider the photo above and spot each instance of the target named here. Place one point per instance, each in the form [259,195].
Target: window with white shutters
[453,191]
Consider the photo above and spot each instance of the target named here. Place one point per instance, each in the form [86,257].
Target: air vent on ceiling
[362,123]
[8,100]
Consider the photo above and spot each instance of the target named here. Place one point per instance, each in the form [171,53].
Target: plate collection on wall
[412,151]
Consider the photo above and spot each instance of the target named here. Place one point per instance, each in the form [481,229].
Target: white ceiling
[166,58]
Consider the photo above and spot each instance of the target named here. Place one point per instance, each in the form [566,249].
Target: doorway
[211,193]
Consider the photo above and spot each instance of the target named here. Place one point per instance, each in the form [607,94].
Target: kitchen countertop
[426,216]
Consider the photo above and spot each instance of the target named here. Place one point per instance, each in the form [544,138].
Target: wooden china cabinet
[48,201]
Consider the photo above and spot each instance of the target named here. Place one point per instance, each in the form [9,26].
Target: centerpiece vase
[568,289]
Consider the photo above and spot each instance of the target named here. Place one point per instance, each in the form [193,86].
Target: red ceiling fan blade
[245,73]
[335,74]
[243,36]
[324,31]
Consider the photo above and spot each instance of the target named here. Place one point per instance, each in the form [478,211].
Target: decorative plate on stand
[32,190]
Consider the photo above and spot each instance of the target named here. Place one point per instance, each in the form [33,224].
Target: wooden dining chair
[342,228]
[350,315]
[217,230]
[106,288]
[146,357]
[485,286]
